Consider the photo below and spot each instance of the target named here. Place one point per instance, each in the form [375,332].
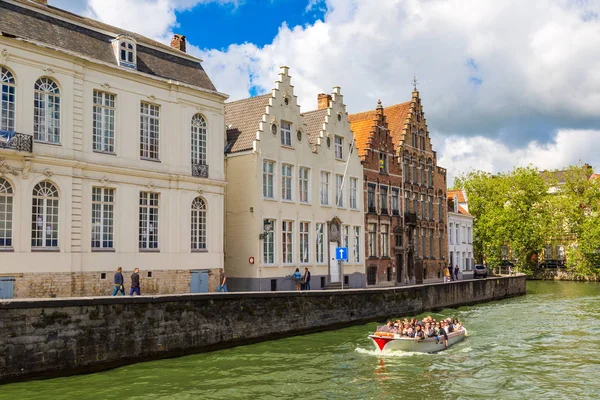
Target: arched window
[44,216]
[6,213]
[198,224]
[46,116]
[7,100]
[198,140]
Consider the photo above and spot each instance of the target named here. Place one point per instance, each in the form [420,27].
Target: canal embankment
[556,274]
[53,337]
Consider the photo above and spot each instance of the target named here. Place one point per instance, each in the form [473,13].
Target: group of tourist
[302,281]
[425,328]
[449,274]
[119,282]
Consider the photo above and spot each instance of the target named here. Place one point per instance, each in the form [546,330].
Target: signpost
[341,255]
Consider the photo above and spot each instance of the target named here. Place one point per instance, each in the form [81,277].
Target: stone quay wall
[54,337]
[556,274]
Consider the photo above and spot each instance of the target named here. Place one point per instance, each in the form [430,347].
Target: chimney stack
[41,2]
[323,100]
[178,42]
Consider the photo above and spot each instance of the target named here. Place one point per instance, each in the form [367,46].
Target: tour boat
[391,341]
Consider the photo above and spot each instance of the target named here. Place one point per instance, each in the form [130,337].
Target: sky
[503,83]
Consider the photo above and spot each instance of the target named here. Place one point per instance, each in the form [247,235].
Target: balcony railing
[395,212]
[410,218]
[384,211]
[16,141]
[200,170]
[372,209]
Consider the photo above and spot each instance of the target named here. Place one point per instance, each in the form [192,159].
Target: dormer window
[124,48]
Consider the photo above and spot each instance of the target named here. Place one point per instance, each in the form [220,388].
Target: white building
[111,155]
[460,231]
[288,203]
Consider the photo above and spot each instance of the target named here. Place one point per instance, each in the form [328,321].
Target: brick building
[419,247]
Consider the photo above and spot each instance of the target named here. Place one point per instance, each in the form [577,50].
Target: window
[357,244]
[7,100]
[415,202]
[324,188]
[469,235]
[303,184]
[457,234]
[198,137]
[414,137]
[103,214]
[383,199]
[398,239]
[385,240]
[416,240]
[104,122]
[320,241]
[46,111]
[372,240]
[407,201]
[346,238]
[339,192]
[371,201]
[441,247]
[430,201]
[198,226]
[422,180]
[269,243]
[304,242]
[286,133]
[287,229]
[126,54]
[337,146]
[148,216]
[415,176]
[371,275]
[430,176]
[44,216]
[353,193]
[149,130]
[423,208]
[268,179]
[422,142]
[406,171]
[395,201]
[440,209]
[450,233]
[286,182]
[383,168]
[6,213]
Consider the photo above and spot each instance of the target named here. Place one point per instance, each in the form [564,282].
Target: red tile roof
[459,195]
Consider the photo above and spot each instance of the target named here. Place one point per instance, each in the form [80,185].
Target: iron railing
[410,218]
[200,170]
[16,141]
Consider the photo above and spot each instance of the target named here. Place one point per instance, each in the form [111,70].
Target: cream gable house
[110,155]
[460,231]
[294,192]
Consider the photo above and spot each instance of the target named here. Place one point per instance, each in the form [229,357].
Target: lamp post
[267,226]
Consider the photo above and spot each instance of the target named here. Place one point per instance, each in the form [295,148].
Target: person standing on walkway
[135,283]
[222,281]
[446,274]
[119,283]
[297,278]
[456,271]
[306,279]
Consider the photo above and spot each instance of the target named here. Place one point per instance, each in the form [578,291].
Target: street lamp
[267,226]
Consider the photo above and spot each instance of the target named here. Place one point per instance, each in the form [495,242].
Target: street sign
[341,253]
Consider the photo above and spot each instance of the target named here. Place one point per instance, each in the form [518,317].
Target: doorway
[399,268]
[199,281]
[7,287]
[334,265]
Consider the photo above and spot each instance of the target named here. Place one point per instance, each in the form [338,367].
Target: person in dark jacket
[306,279]
[456,271]
[119,283]
[135,283]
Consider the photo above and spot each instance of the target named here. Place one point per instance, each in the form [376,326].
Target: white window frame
[372,236]
[103,218]
[325,178]
[339,190]
[353,193]
[198,224]
[148,221]
[287,242]
[269,179]
[346,238]
[304,242]
[269,254]
[46,111]
[395,200]
[304,184]
[384,230]
[320,243]
[357,244]
[287,177]
[103,139]
[383,165]
[126,53]
[45,216]
[8,99]
[149,131]
[6,214]
[198,140]
[286,133]
[338,146]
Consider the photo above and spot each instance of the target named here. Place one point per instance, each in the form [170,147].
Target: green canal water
[541,346]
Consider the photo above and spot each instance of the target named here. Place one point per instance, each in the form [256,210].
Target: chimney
[42,2]
[323,100]
[178,42]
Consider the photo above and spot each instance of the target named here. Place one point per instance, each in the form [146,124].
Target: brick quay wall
[55,337]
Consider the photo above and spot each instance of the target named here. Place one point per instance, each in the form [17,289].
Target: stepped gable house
[419,231]
[294,192]
[110,155]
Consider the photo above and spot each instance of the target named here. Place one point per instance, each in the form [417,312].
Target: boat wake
[390,353]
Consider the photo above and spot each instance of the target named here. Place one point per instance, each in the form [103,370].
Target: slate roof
[313,124]
[87,40]
[242,119]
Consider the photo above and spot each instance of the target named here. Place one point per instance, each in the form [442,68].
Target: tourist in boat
[442,334]
[297,278]
[419,334]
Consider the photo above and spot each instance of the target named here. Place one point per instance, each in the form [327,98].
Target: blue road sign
[341,253]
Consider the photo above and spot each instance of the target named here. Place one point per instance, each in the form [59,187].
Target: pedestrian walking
[222,281]
[306,279]
[456,271]
[446,274]
[297,278]
[119,283]
[135,283]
